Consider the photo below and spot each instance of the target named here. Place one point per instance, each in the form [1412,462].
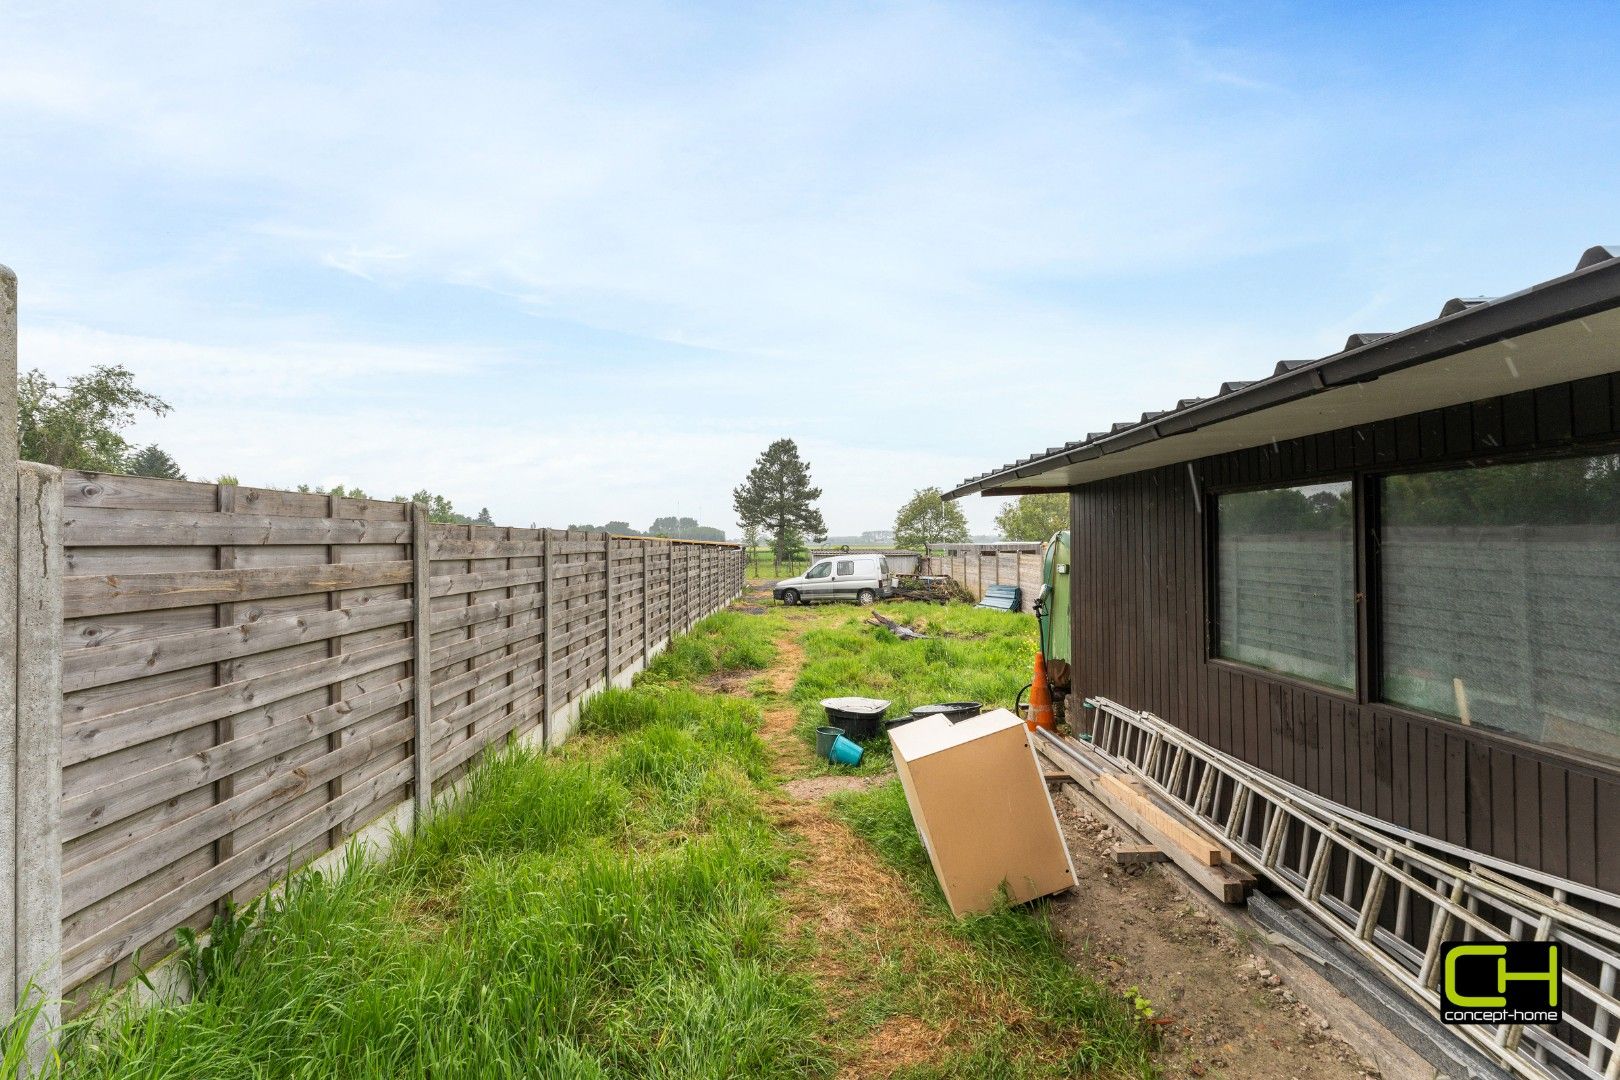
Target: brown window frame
[1211,562]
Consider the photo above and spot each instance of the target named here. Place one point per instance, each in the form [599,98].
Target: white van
[857,577]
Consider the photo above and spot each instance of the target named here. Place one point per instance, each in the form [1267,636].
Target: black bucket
[954,711]
[858,724]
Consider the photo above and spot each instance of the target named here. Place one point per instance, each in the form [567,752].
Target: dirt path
[1229,1016]
[861,914]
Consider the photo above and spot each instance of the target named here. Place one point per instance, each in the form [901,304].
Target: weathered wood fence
[204,687]
[978,570]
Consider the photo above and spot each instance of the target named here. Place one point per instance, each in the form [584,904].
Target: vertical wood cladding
[1141,621]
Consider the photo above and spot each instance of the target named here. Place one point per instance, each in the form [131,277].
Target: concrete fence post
[8,642]
[422,666]
[39,743]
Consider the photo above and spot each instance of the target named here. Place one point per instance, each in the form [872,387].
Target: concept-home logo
[1507,982]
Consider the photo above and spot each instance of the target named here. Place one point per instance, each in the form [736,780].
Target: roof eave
[1589,289]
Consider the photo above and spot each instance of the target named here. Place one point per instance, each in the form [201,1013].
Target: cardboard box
[984,812]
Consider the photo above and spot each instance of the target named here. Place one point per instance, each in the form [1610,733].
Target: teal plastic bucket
[824,740]
[845,752]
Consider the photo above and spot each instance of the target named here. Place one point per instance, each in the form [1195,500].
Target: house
[1390,575]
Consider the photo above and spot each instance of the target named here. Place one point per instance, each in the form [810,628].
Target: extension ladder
[1393,895]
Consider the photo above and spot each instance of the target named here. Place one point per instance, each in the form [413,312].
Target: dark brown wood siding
[1141,614]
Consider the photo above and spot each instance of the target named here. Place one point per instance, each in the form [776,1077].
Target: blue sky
[581,262]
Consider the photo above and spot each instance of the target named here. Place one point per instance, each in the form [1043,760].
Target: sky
[584,262]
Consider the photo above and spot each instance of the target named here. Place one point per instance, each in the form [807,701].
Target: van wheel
[790,597]
[865,596]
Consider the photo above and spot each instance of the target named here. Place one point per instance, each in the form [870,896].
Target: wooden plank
[105,664]
[1126,799]
[485,580]
[1137,854]
[86,739]
[94,526]
[1224,881]
[449,548]
[101,594]
[134,860]
[124,795]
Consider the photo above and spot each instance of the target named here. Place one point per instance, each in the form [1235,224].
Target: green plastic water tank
[1055,576]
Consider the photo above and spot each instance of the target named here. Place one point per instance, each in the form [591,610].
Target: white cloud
[585,261]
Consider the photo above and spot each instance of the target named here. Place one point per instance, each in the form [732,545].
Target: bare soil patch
[1229,1015]
[819,787]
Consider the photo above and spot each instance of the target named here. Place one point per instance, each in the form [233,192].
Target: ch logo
[1509,982]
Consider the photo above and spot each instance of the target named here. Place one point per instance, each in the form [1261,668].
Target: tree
[439,508]
[226,480]
[1033,517]
[777,496]
[750,535]
[927,519]
[684,528]
[78,424]
[484,517]
[152,461]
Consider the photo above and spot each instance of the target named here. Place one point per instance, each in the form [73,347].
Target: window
[1285,581]
[1500,599]
[846,568]
[820,570]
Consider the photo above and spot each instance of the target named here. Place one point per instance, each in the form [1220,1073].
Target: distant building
[878,536]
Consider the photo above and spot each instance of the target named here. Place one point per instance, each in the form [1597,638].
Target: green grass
[972,654]
[761,567]
[1081,1024]
[606,910]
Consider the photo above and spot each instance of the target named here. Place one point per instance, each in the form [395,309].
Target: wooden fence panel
[240,687]
[978,571]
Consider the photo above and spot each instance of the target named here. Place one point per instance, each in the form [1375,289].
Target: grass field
[650,901]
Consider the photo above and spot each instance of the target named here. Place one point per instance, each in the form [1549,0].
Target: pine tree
[778,498]
[152,461]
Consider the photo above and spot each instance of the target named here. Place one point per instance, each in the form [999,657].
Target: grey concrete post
[8,641]
[38,871]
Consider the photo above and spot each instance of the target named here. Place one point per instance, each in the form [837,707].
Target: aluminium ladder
[1393,895]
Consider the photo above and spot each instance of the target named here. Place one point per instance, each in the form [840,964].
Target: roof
[1560,330]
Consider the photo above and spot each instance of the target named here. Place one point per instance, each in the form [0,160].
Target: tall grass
[726,641]
[606,910]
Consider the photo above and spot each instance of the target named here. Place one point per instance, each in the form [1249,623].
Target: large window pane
[1286,581]
[1501,598]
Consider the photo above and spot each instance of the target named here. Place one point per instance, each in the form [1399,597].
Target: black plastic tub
[954,711]
[861,718]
